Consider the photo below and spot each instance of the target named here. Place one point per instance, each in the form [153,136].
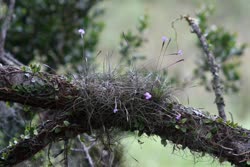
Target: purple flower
[164,39]
[147,96]
[178,117]
[180,52]
[115,110]
[81,32]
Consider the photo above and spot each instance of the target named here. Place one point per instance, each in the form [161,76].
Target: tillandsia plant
[226,50]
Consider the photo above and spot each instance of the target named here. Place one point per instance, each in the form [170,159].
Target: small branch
[214,67]
[66,145]
[86,152]
[5,26]
[8,59]
[26,148]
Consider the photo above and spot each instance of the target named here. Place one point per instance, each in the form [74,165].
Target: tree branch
[5,26]
[214,67]
[89,104]
[7,58]
[19,86]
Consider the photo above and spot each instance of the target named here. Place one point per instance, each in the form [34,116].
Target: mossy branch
[88,104]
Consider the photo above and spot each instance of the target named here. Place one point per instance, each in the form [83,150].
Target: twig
[8,59]
[214,67]
[66,142]
[86,152]
[50,163]
[5,26]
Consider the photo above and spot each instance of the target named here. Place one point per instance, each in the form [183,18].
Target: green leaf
[24,68]
[66,123]
[184,120]
[57,130]
[35,132]
[140,133]
[27,136]
[35,68]
[4,155]
[209,135]
[184,130]
[219,120]
[26,108]
[208,121]
[214,130]
[244,134]
[177,126]
[22,136]
[82,139]
[7,104]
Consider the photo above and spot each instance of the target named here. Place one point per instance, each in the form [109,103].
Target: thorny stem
[214,67]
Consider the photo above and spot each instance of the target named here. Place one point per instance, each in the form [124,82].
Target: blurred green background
[122,15]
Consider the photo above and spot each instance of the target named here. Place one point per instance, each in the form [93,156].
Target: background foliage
[50,31]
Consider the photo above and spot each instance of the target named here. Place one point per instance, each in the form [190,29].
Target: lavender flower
[81,32]
[115,110]
[164,39]
[178,117]
[147,96]
[180,52]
